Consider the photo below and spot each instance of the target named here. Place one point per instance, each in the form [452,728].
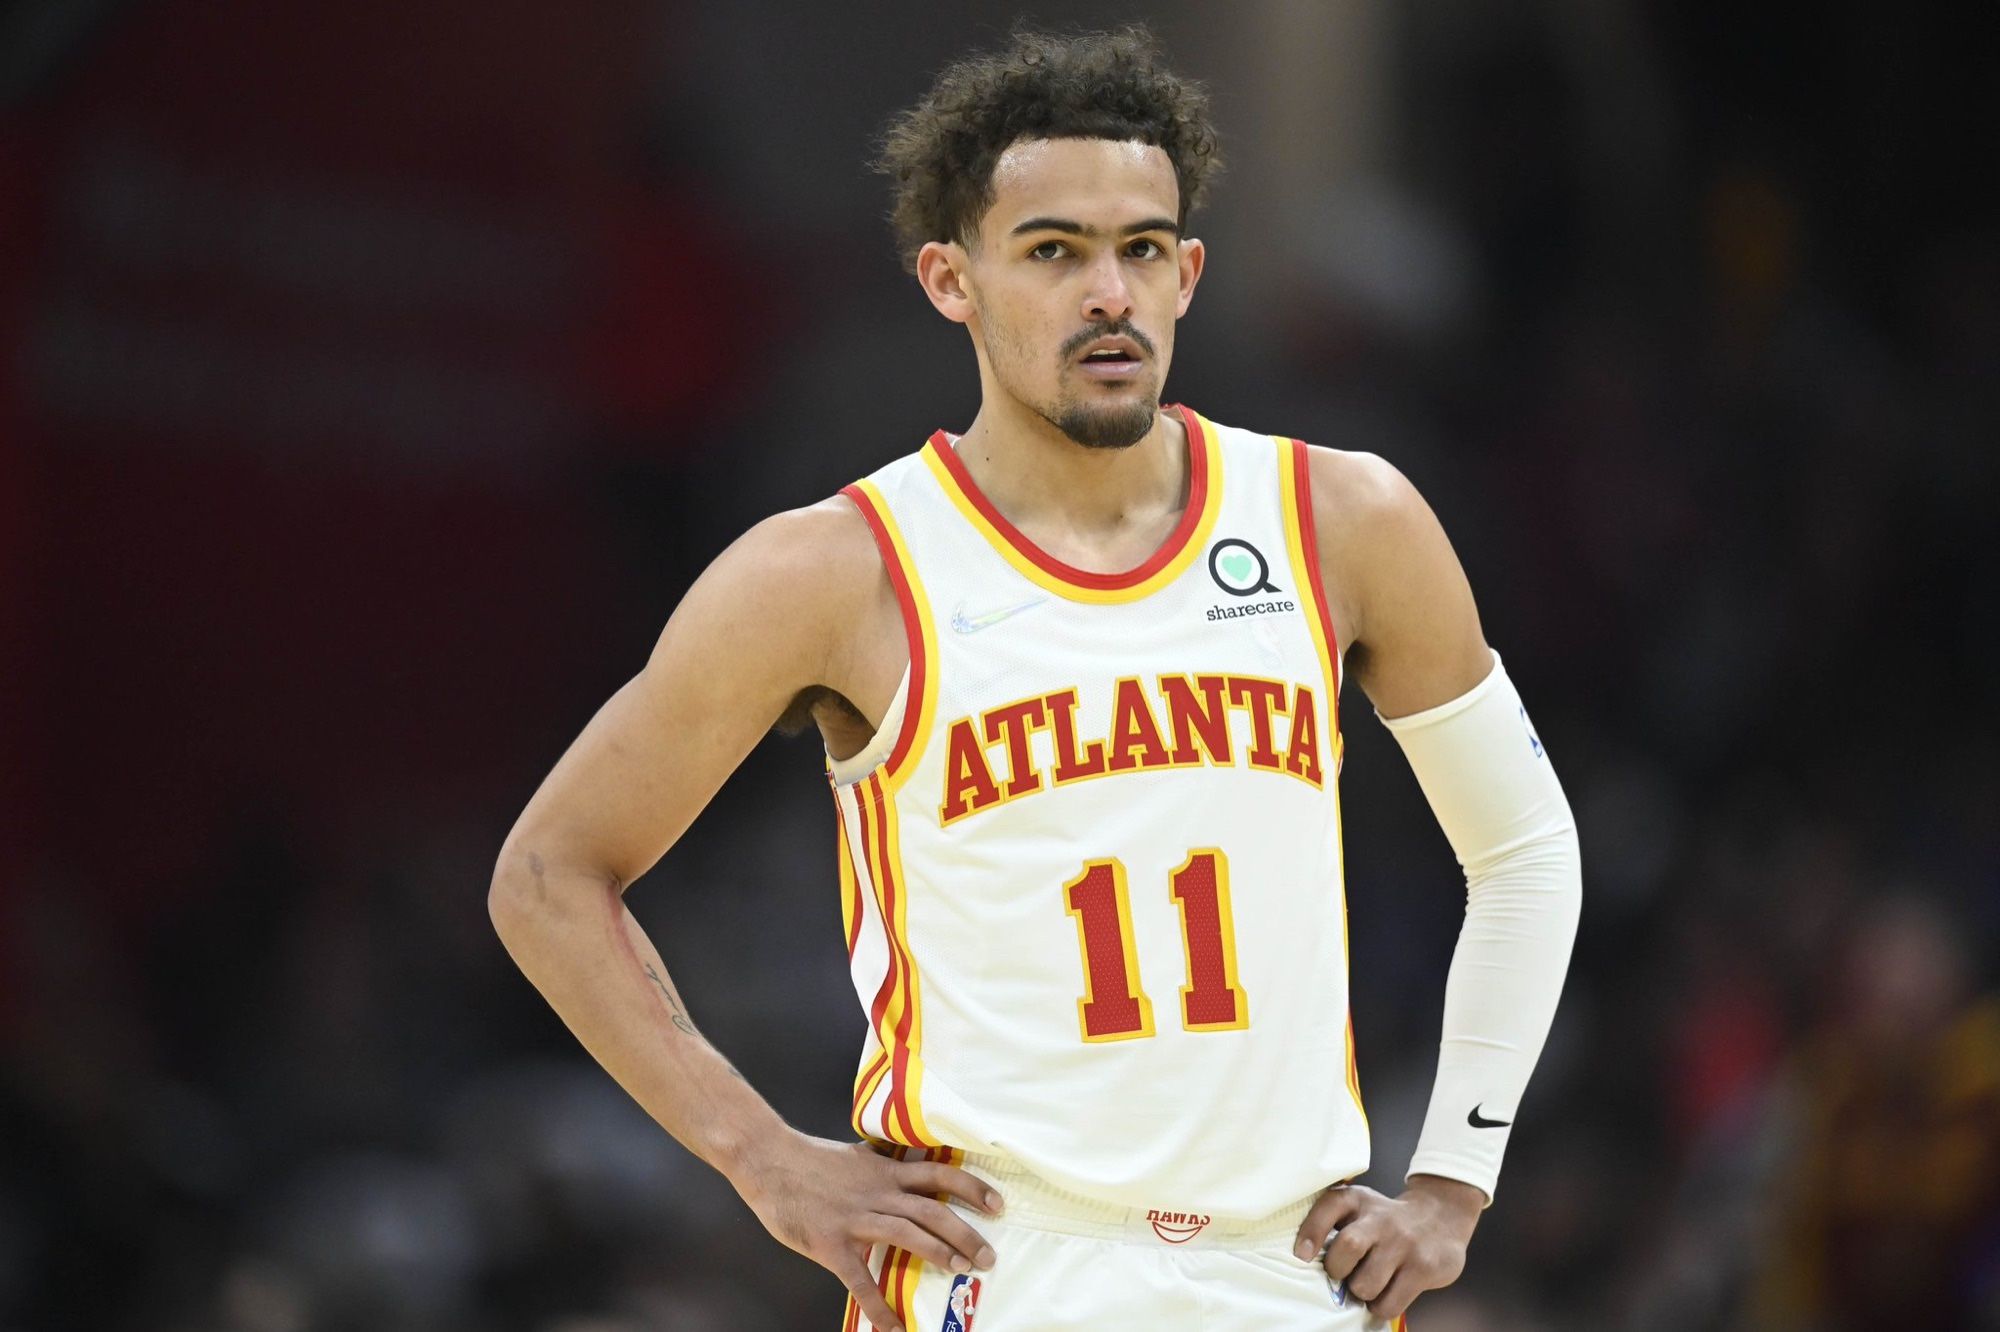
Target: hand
[831,1200]
[1391,1250]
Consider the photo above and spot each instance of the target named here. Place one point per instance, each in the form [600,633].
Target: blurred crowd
[1685,319]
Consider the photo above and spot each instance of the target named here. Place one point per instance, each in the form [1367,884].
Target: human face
[1077,279]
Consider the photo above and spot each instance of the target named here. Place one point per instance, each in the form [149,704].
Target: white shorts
[1065,1263]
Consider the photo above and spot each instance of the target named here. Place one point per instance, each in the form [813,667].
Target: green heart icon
[1237,565]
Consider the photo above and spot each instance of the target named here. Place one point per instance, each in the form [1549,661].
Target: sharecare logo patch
[961,1304]
[1177,1227]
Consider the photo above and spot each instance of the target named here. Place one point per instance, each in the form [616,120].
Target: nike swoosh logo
[972,625]
[1478,1120]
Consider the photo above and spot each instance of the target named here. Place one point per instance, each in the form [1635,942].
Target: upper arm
[770,617]
[1400,598]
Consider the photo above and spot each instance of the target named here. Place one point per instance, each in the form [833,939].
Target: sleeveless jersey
[1091,860]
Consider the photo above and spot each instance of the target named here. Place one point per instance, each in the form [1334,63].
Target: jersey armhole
[920,676]
[846,772]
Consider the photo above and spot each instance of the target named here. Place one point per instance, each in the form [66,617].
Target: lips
[1111,360]
[1111,351]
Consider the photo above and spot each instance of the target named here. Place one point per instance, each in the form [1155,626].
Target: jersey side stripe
[852,905]
[907,1067]
[910,1078]
[864,1090]
[883,1278]
[1296,485]
[906,1284]
[850,888]
[883,1012]
[917,628]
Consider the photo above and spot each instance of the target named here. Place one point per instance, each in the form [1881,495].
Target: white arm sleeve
[1484,771]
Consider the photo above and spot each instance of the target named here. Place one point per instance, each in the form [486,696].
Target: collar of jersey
[1066,580]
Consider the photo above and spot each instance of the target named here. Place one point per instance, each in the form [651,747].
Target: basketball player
[1077,671]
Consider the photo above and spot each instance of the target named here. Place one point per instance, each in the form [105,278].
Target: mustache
[1123,328]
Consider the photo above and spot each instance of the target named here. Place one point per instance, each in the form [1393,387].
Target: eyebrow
[1069,228]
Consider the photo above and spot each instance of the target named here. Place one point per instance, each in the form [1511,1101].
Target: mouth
[1111,360]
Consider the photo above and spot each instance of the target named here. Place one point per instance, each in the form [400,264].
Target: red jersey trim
[1198,450]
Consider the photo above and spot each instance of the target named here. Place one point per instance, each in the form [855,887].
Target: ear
[1193,254]
[941,271]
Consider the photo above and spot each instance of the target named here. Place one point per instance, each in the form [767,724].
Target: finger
[1350,1244]
[937,1177]
[947,1225]
[1394,1302]
[860,1284]
[1334,1207]
[1372,1275]
[894,1230]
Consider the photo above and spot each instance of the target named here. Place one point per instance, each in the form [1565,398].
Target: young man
[1076,671]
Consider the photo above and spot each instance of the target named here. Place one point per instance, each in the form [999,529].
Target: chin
[1113,425]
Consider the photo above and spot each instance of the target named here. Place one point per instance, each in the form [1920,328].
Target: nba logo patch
[961,1304]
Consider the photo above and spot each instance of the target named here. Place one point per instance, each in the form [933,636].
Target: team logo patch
[1338,1289]
[1239,568]
[961,1304]
[1177,1227]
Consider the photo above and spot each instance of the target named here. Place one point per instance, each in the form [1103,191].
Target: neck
[1039,477]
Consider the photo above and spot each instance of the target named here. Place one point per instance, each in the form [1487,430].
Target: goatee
[1118,427]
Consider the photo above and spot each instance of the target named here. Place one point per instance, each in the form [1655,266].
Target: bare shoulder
[1401,603]
[1361,494]
[820,550]
[799,610]
[783,596]
[1365,514]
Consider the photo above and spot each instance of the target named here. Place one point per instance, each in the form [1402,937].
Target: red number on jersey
[1114,1007]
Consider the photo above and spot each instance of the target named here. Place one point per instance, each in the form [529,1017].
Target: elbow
[528,894]
[518,895]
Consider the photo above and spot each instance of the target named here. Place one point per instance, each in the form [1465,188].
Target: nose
[1107,298]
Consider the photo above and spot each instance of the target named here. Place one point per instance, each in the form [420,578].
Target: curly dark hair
[1094,85]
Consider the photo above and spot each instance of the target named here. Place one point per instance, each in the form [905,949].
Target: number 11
[1114,1007]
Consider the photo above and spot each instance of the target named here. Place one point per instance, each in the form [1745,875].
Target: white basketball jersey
[1091,861]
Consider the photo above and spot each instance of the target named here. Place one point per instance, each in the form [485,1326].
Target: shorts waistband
[1033,1202]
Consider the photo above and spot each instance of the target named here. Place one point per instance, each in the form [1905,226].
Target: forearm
[1497,799]
[573,937]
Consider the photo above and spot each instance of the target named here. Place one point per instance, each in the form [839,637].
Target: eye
[1147,249]
[1048,250]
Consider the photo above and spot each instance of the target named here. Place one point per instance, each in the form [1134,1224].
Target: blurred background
[374,377]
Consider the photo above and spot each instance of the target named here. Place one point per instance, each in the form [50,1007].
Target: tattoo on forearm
[680,1015]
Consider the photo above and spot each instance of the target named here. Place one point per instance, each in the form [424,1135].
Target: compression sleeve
[1491,786]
